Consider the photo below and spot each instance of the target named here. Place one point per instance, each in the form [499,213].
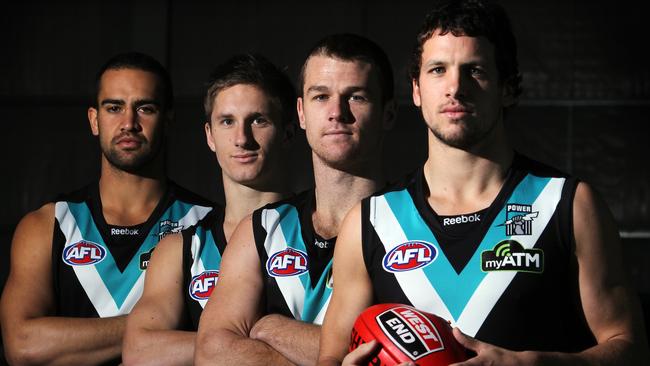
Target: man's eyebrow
[112,101]
[318,88]
[140,102]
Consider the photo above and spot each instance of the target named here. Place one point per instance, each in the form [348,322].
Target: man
[250,110]
[522,259]
[77,265]
[275,285]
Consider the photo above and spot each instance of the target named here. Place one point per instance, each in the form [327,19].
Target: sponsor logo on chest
[411,331]
[462,219]
[409,256]
[83,253]
[509,255]
[202,285]
[167,227]
[288,262]
[124,231]
[519,219]
[145,258]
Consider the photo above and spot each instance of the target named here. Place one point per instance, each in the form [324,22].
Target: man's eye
[147,110]
[436,70]
[358,98]
[477,71]
[260,121]
[227,122]
[113,108]
[320,97]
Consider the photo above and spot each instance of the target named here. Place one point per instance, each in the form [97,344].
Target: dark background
[585,106]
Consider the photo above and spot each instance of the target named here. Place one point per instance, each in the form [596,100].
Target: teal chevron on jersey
[210,256]
[315,298]
[456,289]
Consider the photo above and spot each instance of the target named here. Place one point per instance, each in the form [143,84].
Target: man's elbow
[212,345]
[20,349]
[133,347]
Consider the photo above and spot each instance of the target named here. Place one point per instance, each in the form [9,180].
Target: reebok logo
[125,231]
[462,219]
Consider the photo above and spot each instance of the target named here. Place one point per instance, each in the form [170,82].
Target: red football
[407,334]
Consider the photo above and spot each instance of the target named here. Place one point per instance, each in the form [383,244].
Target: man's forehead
[440,45]
[129,82]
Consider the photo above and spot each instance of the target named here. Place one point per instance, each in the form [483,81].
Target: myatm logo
[509,255]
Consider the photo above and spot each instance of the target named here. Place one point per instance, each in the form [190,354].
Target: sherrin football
[406,334]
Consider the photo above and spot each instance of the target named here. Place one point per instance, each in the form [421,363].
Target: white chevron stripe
[194,214]
[88,276]
[414,284]
[494,284]
[321,314]
[290,286]
[197,264]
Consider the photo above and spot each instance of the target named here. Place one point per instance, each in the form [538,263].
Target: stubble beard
[468,138]
[132,161]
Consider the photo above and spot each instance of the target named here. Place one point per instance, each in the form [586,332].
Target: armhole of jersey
[187,261]
[259,235]
[58,241]
[366,233]
[566,208]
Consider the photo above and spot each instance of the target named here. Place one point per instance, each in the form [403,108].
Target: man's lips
[337,132]
[129,142]
[244,157]
[455,111]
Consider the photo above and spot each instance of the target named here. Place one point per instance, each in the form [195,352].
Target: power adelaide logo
[408,256]
[509,255]
[83,253]
[288,262]
[412,332]
[202,285]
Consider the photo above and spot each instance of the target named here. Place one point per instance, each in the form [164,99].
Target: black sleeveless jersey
[296,263]
[203,245]
[98,269]
[510,279]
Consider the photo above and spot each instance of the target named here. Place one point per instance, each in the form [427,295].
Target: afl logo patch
[83,253]
[288,262]
[409,256]
[202,285]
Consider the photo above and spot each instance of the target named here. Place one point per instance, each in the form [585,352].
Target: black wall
[585,107]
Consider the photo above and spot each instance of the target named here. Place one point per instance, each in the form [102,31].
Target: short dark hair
[352,47]
[139,61]
[253,69]
[473,18]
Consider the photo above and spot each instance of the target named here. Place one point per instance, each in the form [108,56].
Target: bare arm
[296,340]
[151,337]
[611,309]
[31,334]
[352,291]
[234,307]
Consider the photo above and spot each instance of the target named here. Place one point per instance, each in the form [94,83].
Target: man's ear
[301,112]
[508,97]
[416,93]
[92,119]
[288,131]
[208,136]
[390,114]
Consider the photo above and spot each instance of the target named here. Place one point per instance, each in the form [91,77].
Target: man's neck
[129,199]
[242,200]
[337,191]
[465,181]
